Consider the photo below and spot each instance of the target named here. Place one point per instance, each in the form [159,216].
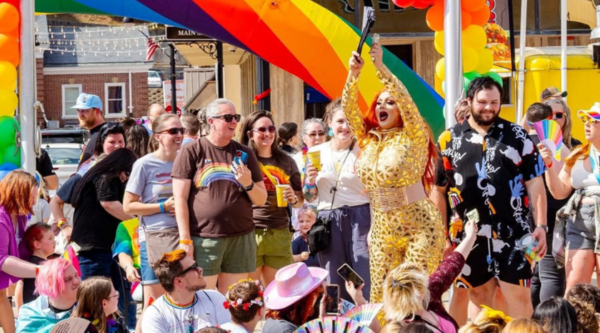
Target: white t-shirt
[234,328]
[207,311]
[41,211]
[350,190]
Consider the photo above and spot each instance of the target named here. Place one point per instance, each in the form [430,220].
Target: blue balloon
[8,167]
[3,173]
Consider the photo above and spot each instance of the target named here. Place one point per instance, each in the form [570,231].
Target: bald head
[155,111]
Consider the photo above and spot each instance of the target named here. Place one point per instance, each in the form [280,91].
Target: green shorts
[225,255]
[273,247]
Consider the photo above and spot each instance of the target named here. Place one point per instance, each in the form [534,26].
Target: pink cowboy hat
[292,283]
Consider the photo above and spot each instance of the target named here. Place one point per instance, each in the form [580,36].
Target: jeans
[547,280]
[101,263]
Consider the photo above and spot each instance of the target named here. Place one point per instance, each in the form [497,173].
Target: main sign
[175,34]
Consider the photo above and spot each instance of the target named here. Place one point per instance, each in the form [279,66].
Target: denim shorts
[148,276]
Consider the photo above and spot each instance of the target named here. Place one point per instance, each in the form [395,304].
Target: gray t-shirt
[278,326]
[151,179]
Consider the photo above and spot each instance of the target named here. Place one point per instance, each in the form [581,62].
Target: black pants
[547,281]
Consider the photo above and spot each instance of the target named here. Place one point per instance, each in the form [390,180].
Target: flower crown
[240,303]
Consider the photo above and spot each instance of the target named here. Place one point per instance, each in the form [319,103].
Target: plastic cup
[527,244]
[315,159]
[281,201]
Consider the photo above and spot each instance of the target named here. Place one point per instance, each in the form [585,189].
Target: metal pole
[220,91]
[454,76]
[27,86]
[263,81]
[563,46]
[357,13]
[173,81]
[522,41]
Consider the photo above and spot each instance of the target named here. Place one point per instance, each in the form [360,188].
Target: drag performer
[396,166]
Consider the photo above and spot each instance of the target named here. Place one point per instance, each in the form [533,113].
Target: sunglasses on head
[316,134]
[173,131]
[194,267]
[271,129]
[229,117]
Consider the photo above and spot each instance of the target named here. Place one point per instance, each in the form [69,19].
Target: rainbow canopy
[299,36]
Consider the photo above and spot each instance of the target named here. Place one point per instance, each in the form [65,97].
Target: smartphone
[241,157]
[333,299]
[348,274]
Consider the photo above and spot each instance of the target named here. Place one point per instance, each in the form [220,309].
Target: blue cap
[87,101]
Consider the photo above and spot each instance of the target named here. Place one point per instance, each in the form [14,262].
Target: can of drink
[527,244]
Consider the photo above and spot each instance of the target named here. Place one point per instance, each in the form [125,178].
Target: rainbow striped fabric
[126,241]
[299,36]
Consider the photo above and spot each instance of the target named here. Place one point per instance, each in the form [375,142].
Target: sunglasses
[194,267]
[229,117]
[587,119]
[271,129]
[173,131]
[557,115]
[315,135]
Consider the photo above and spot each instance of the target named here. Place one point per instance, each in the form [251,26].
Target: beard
[196,287]
[87,122]
[482,122]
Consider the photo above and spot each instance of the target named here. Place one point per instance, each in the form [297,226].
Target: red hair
[15,192]
[371,122]
[35,233]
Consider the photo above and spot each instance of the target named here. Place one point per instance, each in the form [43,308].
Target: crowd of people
[224,222]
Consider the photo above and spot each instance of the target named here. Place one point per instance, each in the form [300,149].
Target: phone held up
[349,275]
[240,158]
[333,299]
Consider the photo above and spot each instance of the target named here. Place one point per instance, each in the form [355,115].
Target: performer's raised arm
[350,98]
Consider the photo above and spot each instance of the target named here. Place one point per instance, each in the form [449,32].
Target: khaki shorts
[226,255]
[273,248]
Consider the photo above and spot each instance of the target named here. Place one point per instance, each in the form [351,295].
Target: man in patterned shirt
[491,167]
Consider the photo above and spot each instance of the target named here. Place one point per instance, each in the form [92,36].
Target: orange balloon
[435,18]
[465,19]
[481,17]
[9,16]
[9,49]
[473,5]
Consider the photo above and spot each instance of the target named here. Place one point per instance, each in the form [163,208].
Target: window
[70,92]
[115,99]
[507,90]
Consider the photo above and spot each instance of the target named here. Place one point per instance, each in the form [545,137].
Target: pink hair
[51,278]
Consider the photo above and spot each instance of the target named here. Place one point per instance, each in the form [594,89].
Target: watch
[545,227]
[249,188]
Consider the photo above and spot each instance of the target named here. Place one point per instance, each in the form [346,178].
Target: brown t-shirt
[218,207]
[285,172]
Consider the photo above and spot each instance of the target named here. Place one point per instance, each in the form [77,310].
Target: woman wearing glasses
[580,173]
[97,301]
[149,195]
[272,221]
[561,113]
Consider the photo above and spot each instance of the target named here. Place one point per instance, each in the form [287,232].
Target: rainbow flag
[127,241]
[71,255]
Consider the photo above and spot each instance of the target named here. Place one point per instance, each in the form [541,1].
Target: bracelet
[186,241]
[37,270]
[61,223]
[162,207]
[310,186]
[549,165]
[295,202]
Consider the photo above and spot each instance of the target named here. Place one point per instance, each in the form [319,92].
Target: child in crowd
[39,240]
[244,300]
[585,298]
[41,209]
[306,219]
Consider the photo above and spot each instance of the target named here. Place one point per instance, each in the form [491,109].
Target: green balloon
[9,126]
[494,77]
[12,155]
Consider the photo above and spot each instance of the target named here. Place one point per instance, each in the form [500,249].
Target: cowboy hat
[593,112]
[292,283]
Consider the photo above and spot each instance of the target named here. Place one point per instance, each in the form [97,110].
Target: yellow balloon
[438,42]
[440,69]
[8,75]
[475,37]
[8,102]
[470,59]
[486,61]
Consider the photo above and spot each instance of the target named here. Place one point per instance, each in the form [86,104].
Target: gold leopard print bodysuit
[391,163]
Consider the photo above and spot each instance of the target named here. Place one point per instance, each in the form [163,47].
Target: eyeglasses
[194,267]
[229,117]
[127,173]
[173,131]
[558,115]
[116,295]
[316,134]
[263,130]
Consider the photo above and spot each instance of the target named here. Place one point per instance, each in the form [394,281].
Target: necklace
[191,317]
[339,157]
[56,310]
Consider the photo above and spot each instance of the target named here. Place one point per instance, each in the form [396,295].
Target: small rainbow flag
[70,254]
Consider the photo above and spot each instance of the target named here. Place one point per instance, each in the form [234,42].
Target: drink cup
[281,201]
[315,159]
[528,244]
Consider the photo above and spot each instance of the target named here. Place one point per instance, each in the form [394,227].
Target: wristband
[61,223]
[295,202]
[186,241]
[162,207]
[310,186]
[549,165]
[37,270]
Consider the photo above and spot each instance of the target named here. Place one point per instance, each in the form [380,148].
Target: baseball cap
[552,92]
[87,101]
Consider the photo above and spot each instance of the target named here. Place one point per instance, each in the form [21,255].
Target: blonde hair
[405,292]
[487,321]
[523,325]
[566,130]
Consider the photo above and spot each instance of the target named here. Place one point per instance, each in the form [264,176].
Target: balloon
[403,3]
[9,16]
[8,167]
[494,77]
[475,37]
[444,87]
[435,18]
[3,173]
[486,61]
[421,4]
[438,42]
[8,76]
[440,69]
[12,155]
[8,102]
[470,59]
[9,48]
[9,126]
[481,16]
[465,19]
[473,5]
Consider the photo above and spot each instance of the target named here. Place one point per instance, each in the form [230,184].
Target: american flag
[150,49]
